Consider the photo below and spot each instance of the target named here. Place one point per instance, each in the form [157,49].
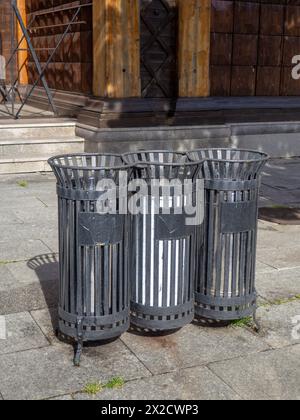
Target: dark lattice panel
[252,46]
[71,67]
[159,30]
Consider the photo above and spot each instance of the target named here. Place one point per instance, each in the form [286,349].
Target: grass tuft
[93,389]
[96,388]
[23,184]
[115,383]
[241,323]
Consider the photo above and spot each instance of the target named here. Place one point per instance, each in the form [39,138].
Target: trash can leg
[256,322]
[78,353]
[79,344]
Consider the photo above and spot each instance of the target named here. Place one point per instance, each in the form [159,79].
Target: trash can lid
[84,171]
[163,163]
[88,161]
[228,155]
[232,164]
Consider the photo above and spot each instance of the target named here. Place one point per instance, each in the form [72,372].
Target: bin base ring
[161,319]
[219,315]
[93,328]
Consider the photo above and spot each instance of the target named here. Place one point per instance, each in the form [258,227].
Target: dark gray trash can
[225,283]
[93,297]
[162,254]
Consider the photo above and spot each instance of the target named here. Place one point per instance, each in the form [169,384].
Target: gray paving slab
[282,174]
[49,372]
[192,346]
[281,196]
[48,234]
[47,319]
[36,270]
[280,323]
[188,384]
[32,179]
[9,218]
[263,268]
[48,197]
[25,289]
[6,278]
[265,202]
[9,203]
[272,375]
[28,298]
[21,251]
[279,284]
[38,217]
[22,333]
[276,237]
[280,257]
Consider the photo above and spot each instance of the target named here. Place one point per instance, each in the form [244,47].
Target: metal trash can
[162,256]
[225,283]
[94,302]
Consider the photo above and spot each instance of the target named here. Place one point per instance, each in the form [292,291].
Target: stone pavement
[194,363]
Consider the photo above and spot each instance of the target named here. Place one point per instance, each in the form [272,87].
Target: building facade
[158,51]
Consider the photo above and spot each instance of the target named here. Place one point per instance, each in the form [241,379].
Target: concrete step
[18,166]
[26,145]
[32,129]
[32,148]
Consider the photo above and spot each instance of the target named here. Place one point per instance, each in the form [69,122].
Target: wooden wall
[5,28]
[252,45]
[116,39]
[194,47]
[71,68]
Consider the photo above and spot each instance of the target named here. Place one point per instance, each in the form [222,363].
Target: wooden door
[159,32]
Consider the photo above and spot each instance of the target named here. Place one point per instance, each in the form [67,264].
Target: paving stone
[48,197]
[38,217]
[277,238]
[22,333]
[192,346]
[280,257]
[9,203]
[277,324]
[23,250]
[47,319]
[190,384]
[263,268]
[25,289]
[265,202]
[279,284]
[32,179]
[47,234]
[272,375]
[6,278]
[9,218]
[281,197]
[29,298]
[49,372]
[36,270]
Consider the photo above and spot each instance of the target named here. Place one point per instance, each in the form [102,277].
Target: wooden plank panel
[194,47]
[116,44]
[22,53]
[74,55]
